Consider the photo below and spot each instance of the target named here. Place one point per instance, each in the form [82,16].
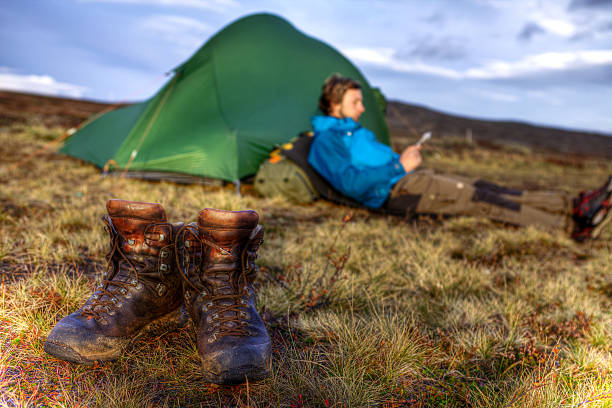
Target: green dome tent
[252,86]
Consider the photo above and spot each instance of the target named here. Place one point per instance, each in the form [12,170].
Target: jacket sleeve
[332,160]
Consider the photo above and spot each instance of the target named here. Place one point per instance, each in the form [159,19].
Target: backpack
[281,176]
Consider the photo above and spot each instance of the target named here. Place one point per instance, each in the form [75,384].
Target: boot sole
[606,220]
[172,320]
[67,353]
[237,376]
[252,370]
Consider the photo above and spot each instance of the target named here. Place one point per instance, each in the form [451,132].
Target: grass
[364,310]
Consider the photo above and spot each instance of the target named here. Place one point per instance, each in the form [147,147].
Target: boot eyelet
[209,304]
[111,312]
[242,301]
[134,282]
[123,291]
[131,241]
[162,237]
[212,338]
[161,289]
[187,244]
[216,316]
[128,296]
[163,253]
[163,267]
[95,296]
[119,304]
[204,293]
[138,286]
[244,315]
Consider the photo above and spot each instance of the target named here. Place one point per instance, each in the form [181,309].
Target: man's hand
[411,158]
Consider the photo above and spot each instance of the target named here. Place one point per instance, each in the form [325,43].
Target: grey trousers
[453,195]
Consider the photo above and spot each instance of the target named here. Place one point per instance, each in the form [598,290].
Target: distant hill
[18,107]
[409,121]
[406,123]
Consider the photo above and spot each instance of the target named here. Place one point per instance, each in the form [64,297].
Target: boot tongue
[131,218]
[213,218]
[228,229]
[127,214]
[221,284]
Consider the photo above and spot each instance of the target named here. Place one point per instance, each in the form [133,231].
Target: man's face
[351,105]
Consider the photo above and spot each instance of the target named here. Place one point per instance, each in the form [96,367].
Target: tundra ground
[458,312]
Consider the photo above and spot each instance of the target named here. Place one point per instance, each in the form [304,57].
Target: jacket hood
[323,123]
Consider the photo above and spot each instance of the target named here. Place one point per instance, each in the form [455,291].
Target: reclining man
[350,158]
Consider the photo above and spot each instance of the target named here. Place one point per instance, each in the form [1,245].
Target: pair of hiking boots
[154,267]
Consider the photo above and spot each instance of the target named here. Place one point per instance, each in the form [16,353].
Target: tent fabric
[253,86]
[99,140]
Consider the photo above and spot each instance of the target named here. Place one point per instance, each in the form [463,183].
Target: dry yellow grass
[452,313]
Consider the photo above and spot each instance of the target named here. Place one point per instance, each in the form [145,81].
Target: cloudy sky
[541,61]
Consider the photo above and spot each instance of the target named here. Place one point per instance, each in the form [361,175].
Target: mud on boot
[140,289]
[216,257]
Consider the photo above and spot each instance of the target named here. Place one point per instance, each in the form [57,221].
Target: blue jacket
[350,158]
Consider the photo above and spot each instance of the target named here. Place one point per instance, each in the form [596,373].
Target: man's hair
[333,91]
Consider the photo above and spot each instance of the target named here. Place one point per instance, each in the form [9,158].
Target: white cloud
[218,6]
[386,57]
[42,84]
[548,61]
[371,55]
[496,69]
[560,27]
[180,31]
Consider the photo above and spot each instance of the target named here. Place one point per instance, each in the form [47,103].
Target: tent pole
[237,183]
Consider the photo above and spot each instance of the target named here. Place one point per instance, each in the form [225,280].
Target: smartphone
[426,136]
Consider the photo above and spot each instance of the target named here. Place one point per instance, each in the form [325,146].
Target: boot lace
[217,305]
[107,297]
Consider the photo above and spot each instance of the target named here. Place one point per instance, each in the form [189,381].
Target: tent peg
[237,184]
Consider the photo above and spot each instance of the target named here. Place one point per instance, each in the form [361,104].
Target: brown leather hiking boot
[217,259]
[141,287]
